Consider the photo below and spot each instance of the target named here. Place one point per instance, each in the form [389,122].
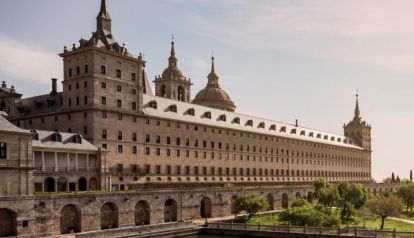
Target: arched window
[2,106]
[3,150]
[163,91]
[222,117]
[236,120]
[181,94]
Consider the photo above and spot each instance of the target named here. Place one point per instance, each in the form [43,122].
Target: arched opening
[271,201]
[82,184]
[297,196]
[285,201]
[181,93]
[2,106]
[93,184]
[205,208]
[163,91]
[310,197]
[142,213]
[232,204]
[109,216]
[375,192]
[170,210]
[49,184]
[62,184]
[8,224]
[70,219]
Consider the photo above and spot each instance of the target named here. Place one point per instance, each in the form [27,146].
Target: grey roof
[6,126]
[180,111]
[46,139]
[41,104]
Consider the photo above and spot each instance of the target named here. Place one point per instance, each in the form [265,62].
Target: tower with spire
[358,129]
[172,83]
[212,95]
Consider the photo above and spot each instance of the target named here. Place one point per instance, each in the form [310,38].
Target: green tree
[392,177]
[328,196]
[251,203]
[385,207]
[411,175]
[352,196]
[319,184]
[406,193]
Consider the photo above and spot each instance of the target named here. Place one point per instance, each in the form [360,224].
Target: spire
[172,60]
[172,46]
[212,76]
[103,20]
[357,112]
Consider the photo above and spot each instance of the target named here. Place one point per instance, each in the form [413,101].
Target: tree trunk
[382,222]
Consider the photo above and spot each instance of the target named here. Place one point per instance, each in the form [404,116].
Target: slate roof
[46,139]
[41,104]
[6,126]
[189,112]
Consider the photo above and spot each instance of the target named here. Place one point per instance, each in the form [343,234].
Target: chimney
[3,84]
[296,123]
[54,85]
[12,89]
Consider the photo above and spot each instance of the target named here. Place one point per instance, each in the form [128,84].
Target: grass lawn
[408,216]
[369,223]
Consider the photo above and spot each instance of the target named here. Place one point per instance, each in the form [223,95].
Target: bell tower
[172,84]
[358,129]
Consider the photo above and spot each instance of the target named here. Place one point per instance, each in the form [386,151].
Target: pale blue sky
[277,59]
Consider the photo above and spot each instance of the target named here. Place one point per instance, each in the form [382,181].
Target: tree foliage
[385,207]
[251,203]
[352,196]
[406,193]
[328,196]
[303,213]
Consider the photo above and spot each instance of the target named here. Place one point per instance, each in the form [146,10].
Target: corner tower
[172,84]
[212,95]
[358,129]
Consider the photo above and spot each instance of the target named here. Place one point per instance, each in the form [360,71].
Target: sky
[277,59]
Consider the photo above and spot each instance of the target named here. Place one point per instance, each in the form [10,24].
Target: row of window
[118,72]
[227,171]
[119,103]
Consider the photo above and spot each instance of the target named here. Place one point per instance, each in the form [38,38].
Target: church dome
[173,72]
[212,95]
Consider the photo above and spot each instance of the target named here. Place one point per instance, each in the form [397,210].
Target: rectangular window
[158,151]
[168,152]
[86,68]
[69,102]
[120,149]
[86,100]
[119,103]
[118,73]
[158,139]
[119,88]
[119,135]
[178,169]
[103,85]
[70,72]
[168,140]
[134,149]
[3,150]
[147,138]
[77,101]
[103,69]
[134,136]
[147,150]
[133,76]
[104,115]
[134,106]
[77,70]
[104,134]
[178,153]
[103,100]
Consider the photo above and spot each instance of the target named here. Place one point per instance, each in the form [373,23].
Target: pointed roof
[357,112]
[212,76]
[172,71]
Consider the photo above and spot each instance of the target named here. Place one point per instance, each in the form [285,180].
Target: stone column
[76,162]
[87,162]
[68,162]
[56,163]
[43,161]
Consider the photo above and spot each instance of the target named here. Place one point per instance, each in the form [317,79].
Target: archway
[62,184]
[271,201]
[49,184]
[163,91]
[205,208]
[70,219]
[285,201]
[180,93]
[310,197]
[109,216]
[8,224]
[375,192]
[298,195]
[170,210]
[93,184]
[142,213]
[82,184]
[232,204]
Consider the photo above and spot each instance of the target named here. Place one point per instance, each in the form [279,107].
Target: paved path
[214,219]
[403,220]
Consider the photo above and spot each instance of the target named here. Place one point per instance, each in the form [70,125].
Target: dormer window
[57,137]
[332,138]
[303,132]
[236,120]
[272,127]
[35,135]
[325,137]
[283,129]
[77,139]
[153,104]
[339,140]
[311,134]
[191,111]
[207,115]
[249,123]
[3,150]
[173,108]
[318,136]
[261,125]
[222,118]
[293,131]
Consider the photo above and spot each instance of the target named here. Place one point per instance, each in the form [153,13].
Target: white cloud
[28,62]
